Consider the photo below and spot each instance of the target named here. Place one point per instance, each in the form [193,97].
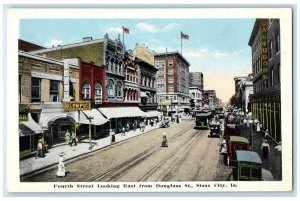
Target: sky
[216,47]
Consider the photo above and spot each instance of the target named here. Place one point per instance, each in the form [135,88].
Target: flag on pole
[125,30]
[184,36]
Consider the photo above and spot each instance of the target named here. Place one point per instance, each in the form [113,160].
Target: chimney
[87,39]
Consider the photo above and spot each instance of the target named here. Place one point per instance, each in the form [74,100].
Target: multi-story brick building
[172,82]
[41,93]
[110,54]
[265,101]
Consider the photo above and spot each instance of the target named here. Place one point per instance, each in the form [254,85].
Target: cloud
[54,43]
[218,55]
[147,27]
[170,26]
[114,30]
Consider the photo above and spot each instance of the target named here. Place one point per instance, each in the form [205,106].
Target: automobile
[214,129]
[165,123]
[236,143]
[248,166]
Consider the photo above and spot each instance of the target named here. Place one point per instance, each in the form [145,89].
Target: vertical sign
[66,81]
[264,50]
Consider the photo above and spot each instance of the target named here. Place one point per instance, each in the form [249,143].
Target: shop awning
[29,127]
[97,119]
[118,112]
[48,116]
[154,113]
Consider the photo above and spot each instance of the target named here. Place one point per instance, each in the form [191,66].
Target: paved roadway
[191,156]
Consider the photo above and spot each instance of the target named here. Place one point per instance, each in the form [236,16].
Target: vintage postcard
[149,100]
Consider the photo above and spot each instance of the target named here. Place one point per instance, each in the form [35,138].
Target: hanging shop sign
[264,50]
[23,113]
[77,105]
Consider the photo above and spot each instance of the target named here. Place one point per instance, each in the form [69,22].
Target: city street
[190,156]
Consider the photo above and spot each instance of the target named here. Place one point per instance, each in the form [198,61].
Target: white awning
[97,117]
[154,113]
[29,127]
[118,112]
[48,116]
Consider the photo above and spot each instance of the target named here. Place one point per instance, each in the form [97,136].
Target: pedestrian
[73,139]
[61,172]
[266,134]
[258,128]
[123,131]
[39,151]
[67,137]
[265,147]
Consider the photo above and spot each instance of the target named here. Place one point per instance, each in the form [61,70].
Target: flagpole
[181,41]
[123,34]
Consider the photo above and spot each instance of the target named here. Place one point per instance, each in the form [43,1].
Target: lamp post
[90,130]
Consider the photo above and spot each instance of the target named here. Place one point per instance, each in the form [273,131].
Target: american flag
[184,36]
[125,30]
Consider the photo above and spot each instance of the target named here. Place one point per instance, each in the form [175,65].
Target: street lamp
[90,130]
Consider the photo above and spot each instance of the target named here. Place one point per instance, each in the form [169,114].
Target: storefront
[122,117]
[29,134]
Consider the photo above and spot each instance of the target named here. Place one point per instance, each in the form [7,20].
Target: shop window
[35,89]
[86,91]
[54,89]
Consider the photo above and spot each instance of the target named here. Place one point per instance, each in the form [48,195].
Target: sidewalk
[51,157]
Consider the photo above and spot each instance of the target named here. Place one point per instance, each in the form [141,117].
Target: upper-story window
[170,63]
[270,49]
[272,77]
[35,89]
[86,91]
[277,44]
[160,64]
[278,73]
[171,89]
[171,79]
[170,72]
[110,88]
[119,89]
[54,89]
[20,78]
[98,89]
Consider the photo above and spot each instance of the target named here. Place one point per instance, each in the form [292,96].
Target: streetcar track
[165,159]
[180,160]
[122,169]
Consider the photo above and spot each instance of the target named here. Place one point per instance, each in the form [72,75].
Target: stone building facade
[266,98]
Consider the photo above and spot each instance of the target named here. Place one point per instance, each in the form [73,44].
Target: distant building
[172,82]
[209,98]
[243,89]
[196,98]
[196,80]
[265,101]
[27,46]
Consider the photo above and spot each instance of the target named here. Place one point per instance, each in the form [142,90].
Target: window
[277,44]
[171,79]
[35,90]
[54,88]
[171,89]
[270,50]
[71,91]
[119,89]
[86,91]
[272,77]
[170,63]
[20,78]
[98,89]
[110,88]
[278,73]
[170,72]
